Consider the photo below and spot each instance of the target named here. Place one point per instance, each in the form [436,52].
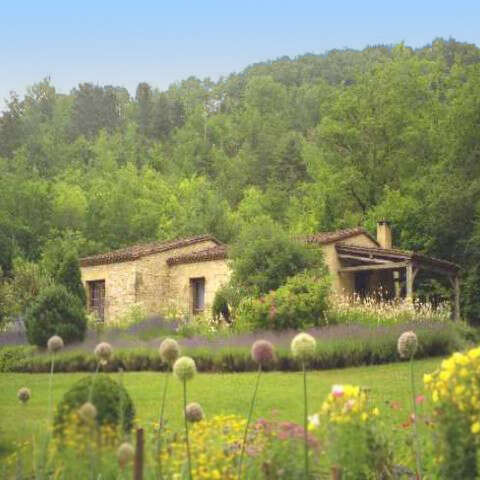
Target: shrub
[301,303]
[55,312]
[112,401]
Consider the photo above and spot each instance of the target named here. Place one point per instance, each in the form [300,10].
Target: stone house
[183,275]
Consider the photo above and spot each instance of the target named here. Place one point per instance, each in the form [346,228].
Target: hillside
[316,143]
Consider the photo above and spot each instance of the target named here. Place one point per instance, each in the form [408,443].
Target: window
[96,298]
[197,288]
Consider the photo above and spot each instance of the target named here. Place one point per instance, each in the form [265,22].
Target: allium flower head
[55,344]
[88,412]
[407,344]
[194,412]
[263,352]
[169,350]
[303,346]
[125,454]
[103,351]
[24,394]
[184,368]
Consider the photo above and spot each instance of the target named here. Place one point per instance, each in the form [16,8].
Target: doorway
[197,289]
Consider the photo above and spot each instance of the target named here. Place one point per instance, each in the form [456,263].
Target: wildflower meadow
[94,431]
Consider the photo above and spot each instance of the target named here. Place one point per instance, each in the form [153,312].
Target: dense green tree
[264,256]
[68,274]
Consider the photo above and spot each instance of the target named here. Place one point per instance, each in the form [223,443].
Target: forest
[312,143]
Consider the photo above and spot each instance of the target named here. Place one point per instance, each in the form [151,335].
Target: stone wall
[154,277]
[120,285]
[215,272]
[145,281]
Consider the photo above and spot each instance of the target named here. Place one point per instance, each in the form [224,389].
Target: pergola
[360,259]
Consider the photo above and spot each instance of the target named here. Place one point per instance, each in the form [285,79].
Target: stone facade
[151,282]
[160,277]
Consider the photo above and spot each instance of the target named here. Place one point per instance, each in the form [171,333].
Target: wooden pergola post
[411,272]
[396,284]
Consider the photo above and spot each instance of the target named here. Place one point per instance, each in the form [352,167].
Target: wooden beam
[385,266]
[363,259]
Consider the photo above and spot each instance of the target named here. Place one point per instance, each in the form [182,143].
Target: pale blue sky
[126,42]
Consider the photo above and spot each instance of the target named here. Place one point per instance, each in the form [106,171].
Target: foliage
[55,312]
[68,274]
[455,392]
[12,356]
[133,315]
[18,292]
[111,399]
[301,303]
[227,299]
[264,256]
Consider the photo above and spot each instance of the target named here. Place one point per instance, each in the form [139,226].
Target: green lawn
[218,393]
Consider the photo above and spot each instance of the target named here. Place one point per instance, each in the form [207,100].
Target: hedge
[358,346]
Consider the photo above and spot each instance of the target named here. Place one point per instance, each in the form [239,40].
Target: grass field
[279,394]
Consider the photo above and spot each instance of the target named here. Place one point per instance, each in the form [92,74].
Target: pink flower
[420,399]
[337,391]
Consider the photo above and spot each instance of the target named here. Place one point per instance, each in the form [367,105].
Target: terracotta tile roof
[137,251]
[214,253]
[395,254]
[323,238]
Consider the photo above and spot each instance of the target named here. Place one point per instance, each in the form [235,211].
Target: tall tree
[94,108]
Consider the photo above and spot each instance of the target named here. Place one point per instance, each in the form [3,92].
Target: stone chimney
[384,234]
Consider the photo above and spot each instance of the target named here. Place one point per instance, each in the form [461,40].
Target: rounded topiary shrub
[112,401]
[55,312]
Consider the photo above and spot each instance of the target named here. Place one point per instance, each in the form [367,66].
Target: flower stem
[90,392]
[250,412]
[305,421]
[50,382]
[160,426]
[187,442]
[414,405]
